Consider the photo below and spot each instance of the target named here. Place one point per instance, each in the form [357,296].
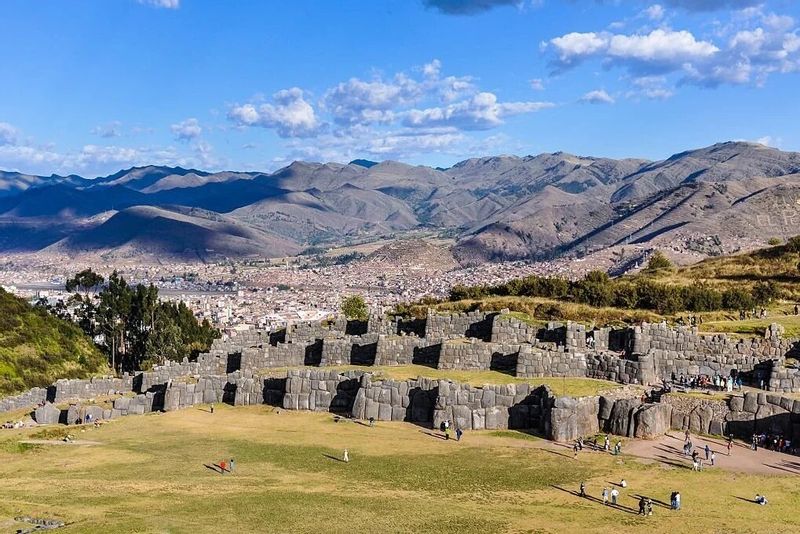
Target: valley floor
[156,473]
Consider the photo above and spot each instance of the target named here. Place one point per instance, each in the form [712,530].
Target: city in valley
[446,266]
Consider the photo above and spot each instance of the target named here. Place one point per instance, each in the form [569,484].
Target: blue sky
[92,86]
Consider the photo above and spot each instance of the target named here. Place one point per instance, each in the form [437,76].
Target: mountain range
[734,195]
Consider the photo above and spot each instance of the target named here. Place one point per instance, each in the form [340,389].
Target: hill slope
[37,348]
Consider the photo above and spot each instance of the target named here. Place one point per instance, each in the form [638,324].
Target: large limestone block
[652,420]
[47,414]
[750,402]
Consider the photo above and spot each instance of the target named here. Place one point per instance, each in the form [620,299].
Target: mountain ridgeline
[734,194]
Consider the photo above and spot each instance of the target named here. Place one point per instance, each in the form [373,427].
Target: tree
[354,307]
[764,292]
[658,261]
[85,281]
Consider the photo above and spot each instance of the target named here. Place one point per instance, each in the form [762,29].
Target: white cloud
[748,51]
[481,112]
[432,69]
[111,129]
[186,130]
[166,4]
[654,12]
[8,134]
[290,115]
[537,84]
[598,96]
[360,102]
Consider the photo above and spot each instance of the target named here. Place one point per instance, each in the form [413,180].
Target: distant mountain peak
[363,163]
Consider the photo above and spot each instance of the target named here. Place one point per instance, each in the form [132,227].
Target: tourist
[730,444]
[760,499]
[623,483]
[649,506]
[583,489]
[642,506]
[447,432]
[754,444]
[459,433]
[212,407]
[231,465]
[346,456]
[618,447]
[695,465]
[677,500]
[614,495]
[686,436]
[371,422]
[223,467]
[575,450]
[708,451]
[713,458]
[606,444]
[605,495]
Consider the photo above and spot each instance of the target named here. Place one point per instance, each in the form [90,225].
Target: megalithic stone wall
[396,400]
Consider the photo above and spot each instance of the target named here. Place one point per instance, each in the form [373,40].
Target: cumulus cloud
[186,130]
[111,129]
[767,44]
[166,4]
[467,7]
[8,134]
[290,115]
[386,116]
[481,112]
[659,47]
[598,96]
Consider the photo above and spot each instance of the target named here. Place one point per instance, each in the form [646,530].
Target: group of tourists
[773,442]
[611,497]
[580,443]
[716,382]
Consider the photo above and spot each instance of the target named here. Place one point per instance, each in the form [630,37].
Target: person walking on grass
[713,458]
[606,444]
[642,505]
[223,467]
[605,495]
[583,489]
[614,496]
[231,465]
[212,407]
[346,457]
[459,433]
[708,451]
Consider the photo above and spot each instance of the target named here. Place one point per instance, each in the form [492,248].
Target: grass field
[148,474]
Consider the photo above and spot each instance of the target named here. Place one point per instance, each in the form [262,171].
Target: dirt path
[669,450]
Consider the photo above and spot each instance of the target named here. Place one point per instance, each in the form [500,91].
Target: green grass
[37,348]
[148,474]
[574,387]
[754,327]
[513,434]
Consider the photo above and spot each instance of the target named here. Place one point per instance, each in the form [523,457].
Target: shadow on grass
[751,501]
[332,457]
[570,456]
[788,468]
[434,435]
[656,501]
[670,461]
[597,500]
[217,469]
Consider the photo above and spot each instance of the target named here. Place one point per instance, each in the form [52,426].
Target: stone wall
[396,400]
[492,406]
[321,390]
[472,355]
[473,324]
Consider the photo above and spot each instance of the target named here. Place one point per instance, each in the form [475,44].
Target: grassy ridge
[37,348]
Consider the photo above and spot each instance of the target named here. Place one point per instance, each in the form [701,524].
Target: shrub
[774,241]
[658,261]
[354,307]
[737,299]
[793,244]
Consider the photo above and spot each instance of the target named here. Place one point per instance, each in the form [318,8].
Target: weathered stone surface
[47,414]
[652,420]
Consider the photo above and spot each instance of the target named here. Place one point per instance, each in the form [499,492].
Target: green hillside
[37,348]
